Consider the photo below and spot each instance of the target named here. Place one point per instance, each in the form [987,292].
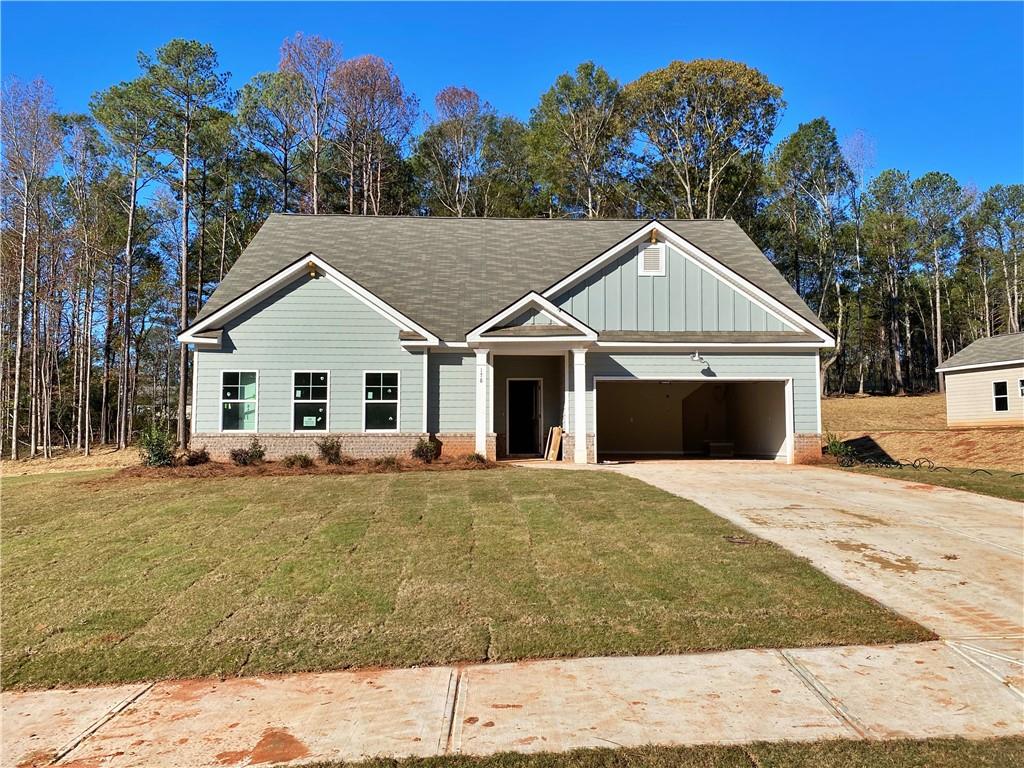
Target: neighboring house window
[238,400]
[1000,399]
[651,260]
[380,401]
[309,400]
[1020,386]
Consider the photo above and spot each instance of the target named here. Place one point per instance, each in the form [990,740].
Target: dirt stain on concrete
[275,746]
[37,758]
[895,563]
[506,706]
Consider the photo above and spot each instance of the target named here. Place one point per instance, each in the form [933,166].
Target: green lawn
[111,579]
[928,753]
[997,483]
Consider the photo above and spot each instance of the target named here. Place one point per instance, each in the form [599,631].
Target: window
[1020,386]
[380,402]
[238,401]
[1000,400]
[309,401]
[651,261]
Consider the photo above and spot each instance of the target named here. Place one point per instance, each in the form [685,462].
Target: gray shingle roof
[989,351]
[450,275]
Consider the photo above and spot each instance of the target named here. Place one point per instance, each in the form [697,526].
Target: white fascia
[292,272]
[979,366]
[533,299]
[703,260]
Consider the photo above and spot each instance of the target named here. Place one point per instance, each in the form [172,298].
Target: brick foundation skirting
[464,443]
[806,448]
[569,448]
[361,445]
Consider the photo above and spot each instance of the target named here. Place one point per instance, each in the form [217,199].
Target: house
[661,337]
[985,383]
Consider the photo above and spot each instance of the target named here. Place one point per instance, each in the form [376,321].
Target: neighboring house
[637,338]
[985,383]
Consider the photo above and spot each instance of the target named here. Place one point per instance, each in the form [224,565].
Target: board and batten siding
[800,367]
[451,392]
[686,298]
[312,325]
[969,401]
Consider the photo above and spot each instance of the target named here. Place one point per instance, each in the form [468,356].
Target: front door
[524,417]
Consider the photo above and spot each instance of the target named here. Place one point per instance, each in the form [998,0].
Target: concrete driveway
[951,560]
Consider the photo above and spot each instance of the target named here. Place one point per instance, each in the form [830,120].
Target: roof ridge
[357,216]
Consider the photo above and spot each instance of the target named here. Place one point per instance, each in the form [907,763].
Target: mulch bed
[278,469]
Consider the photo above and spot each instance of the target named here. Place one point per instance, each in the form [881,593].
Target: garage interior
[662,419]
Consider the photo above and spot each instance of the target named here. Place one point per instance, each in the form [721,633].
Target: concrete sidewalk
[878,692]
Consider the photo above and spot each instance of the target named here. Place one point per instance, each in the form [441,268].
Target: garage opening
[741,419]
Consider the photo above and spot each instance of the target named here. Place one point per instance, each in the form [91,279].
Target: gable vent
[652,259]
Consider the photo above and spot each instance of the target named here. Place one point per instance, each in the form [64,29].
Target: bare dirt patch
[909,428]
[104,457]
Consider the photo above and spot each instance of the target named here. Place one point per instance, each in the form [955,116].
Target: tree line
[118,223]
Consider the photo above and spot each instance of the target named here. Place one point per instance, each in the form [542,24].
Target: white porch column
[483,375]
[579,402]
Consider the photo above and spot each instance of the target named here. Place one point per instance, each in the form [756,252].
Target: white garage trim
[788,397]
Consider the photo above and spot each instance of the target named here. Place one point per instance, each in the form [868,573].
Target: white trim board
[979,366]
[291,273]
[703,260]
[522,304]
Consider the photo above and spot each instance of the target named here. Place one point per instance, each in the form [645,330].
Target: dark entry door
[523,417]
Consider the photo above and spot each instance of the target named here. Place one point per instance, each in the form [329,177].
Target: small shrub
[476,458]
[836,447]
[194,458]
[302,460]
[386,464]
[156,447]
[425,450]
[330,451]
[254,454]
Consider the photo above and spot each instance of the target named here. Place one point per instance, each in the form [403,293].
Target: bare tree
[315,61]
[377,115]
[30,143]
[451,148]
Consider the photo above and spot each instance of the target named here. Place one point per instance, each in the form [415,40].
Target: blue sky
[936,86]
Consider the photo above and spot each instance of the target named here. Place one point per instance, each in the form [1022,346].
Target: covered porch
[522,392]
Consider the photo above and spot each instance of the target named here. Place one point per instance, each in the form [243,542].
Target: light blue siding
[686,298]
[801,367]
[310,325]
[451,399]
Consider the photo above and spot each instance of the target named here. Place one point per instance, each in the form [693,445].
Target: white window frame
[640,271]
[1020,387]
[255,401]
[1005,397]
[363,401]
[327,404]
